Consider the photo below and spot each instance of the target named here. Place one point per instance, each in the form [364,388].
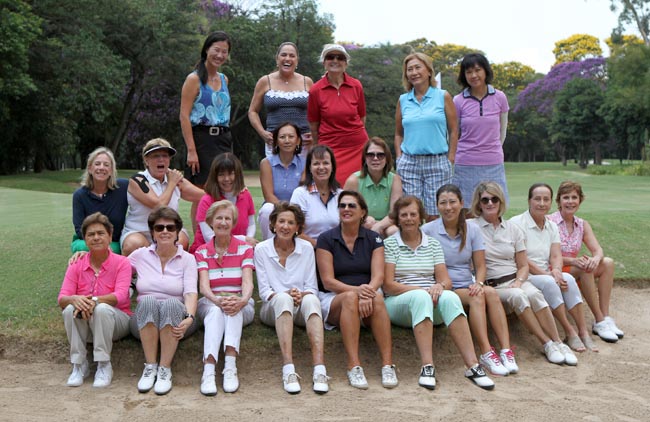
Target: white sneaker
[614,328]
[230,380]
[163,381]
[553,353]
[291,383]
[508,360]
[80,371]
[388,376]
[321,383]
[357,378]
[148,377]
[104,374]
[492,363]
[604,330]
[208,384]
[477,375]
[569,357]
[428,377]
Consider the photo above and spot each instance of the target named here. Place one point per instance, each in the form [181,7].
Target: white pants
[106,325]
[518,299]
[283,302]
[220,326]
[552,292]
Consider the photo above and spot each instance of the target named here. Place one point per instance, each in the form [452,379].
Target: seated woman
[545,264]
[100,191]
[418,292]
[281,172]
[226,282]
[378,184]
[286,280]
[464,250]
[574,231]
[167,296]
[350,261]
[507,269]
[226,181]
[317,197]
[157,186]
[94,297]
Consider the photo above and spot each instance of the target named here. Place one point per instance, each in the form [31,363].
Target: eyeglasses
[377,155]
[158,228]
[351,205]
[485,200]
[339,57]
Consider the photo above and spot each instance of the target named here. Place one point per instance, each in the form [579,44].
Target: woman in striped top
[418,290]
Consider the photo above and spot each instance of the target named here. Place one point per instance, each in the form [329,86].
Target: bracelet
[480,283]
[519,279]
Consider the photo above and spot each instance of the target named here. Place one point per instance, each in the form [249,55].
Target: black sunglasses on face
[339,57]
[351,205]
[377,155]
[158,228]
[485,200]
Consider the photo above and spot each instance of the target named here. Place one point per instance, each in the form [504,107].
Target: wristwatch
[96,300]
[188,316]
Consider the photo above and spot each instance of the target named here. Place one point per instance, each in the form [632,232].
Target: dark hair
[539,185]
[405,201]
[376,140]
[284,206]
[461,225]
[471,60]
[96,218]
[224,162]
[167,213]
[212,38]
[356,195]
[319,152]
[569,186]
[276,133]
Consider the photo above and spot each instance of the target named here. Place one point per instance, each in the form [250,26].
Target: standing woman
[464,250]
[574,231]
[284,94]
[317,197]
[226,282]
[280,173]
[426,132]
[545,262]
[337,111]
[100,191]
[483,120]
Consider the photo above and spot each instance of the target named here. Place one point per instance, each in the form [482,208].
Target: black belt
[213,130]
[493,282]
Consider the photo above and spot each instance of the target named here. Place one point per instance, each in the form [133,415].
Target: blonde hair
[87,178]
[146,149]
[428,63]
[224,203]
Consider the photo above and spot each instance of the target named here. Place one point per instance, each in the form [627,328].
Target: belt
[213,130]
[427,155]
[493,282]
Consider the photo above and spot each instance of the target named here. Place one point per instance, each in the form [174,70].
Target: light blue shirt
[424,123]
[285,179]
[459,263]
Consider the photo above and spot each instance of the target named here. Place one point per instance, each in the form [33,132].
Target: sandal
[575,343]
[589,343]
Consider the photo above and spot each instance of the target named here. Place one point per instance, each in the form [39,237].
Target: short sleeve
[248,258]
[476,237]
[391,250]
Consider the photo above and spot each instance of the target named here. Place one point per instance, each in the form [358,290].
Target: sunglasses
[493,199]
[377,155]
[158,228]
[351,205]
[339,57]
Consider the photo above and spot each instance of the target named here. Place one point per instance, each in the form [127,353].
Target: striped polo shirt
[414,266]
[225,277]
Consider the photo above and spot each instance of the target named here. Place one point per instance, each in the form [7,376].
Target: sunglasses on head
[377,155]
[339,57]
[158,228]
[351,205]
[485,200]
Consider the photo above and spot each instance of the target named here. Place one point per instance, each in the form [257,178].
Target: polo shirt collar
[275,161]
[152,179]
[530,222]
[179,250]
[367,181]
[274,252]
[232,248]
[482,222]
[338,233]
[467,93]
[400,242]
[327,81]
[411,94]
[312,188]
[105,264]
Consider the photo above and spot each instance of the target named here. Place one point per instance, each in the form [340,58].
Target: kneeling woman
[226,282]
[418,290]
[167,296]
[286,279]
[351,265]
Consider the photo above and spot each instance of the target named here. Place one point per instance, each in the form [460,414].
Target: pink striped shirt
[225,277]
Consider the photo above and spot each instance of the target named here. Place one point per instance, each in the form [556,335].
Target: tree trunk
[131,102]
[598,155]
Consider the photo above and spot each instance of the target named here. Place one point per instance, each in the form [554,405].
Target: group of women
[330,257]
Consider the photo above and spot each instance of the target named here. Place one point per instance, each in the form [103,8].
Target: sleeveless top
[377,196]
[283,106]
[286,179]
[211,108]
[571,243]
[424,123]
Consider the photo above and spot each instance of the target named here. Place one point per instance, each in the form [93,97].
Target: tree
[576,48]
[635,12]
[513,77]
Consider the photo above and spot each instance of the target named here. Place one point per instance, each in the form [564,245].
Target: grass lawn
[36,231]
